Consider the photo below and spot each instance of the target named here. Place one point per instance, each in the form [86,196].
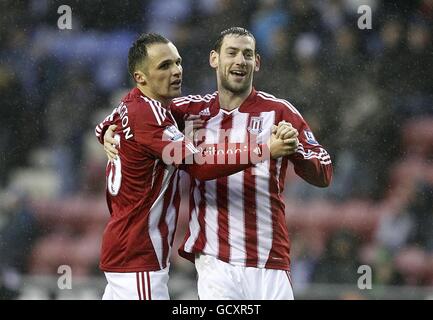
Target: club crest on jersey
[256,125]
[310,137]
[173,133]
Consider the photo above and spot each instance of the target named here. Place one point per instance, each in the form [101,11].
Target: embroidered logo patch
[310,137]
[256,125]
[173,133]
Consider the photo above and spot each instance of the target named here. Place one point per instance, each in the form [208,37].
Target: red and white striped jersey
[240,219]
[142,185]
[141,188]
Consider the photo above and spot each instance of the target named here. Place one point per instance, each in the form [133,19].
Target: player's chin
[239,87]
[175,92]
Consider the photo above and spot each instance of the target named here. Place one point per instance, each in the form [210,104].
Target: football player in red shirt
[237,233]
[143,179]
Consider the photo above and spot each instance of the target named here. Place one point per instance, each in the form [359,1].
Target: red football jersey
[142,184]
[240,219]
[141,188]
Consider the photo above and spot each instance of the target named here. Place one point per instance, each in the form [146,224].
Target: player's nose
[240,59]
[177,70]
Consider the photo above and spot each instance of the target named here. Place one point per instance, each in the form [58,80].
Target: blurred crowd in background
[367,94]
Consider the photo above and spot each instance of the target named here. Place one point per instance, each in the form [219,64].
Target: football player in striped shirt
[143,179]
[237,233]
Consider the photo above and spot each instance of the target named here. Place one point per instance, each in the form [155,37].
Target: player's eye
[249,55]
[164,66]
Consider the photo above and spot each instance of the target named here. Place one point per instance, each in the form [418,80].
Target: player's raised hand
[110,143]
[284,140]
[285,131]
[277,147]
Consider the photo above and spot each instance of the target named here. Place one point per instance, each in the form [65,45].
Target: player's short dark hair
[237,31]
[138,51]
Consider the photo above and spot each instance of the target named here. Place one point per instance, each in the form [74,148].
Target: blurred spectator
[14,141]
[266,21]
[69,111]
[343,58]
[341,254]
[417,83]
[304,17]
[332,14]
[425,9]
[394,229]
[391,36]
[305,252]
[421,209]
[18,232]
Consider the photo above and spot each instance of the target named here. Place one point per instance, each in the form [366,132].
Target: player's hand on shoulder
[110,143]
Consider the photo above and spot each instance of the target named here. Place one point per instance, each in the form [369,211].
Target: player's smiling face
[235,63]
[163,72]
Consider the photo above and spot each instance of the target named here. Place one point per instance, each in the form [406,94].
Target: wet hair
[237,31]
[138,51]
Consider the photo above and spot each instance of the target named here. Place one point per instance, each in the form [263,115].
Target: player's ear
[258,60]
[213,59]
[140,77]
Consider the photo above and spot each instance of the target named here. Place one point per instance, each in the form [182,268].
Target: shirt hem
[277,266]
[131,269]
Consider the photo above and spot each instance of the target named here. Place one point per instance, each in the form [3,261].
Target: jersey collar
[137,93]
[242,108]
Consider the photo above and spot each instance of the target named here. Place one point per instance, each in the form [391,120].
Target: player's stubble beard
[244,87]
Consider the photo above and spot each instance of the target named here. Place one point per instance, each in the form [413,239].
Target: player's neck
[230,100]
[164,102]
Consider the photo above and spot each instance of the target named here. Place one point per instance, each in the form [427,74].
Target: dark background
[367,94]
